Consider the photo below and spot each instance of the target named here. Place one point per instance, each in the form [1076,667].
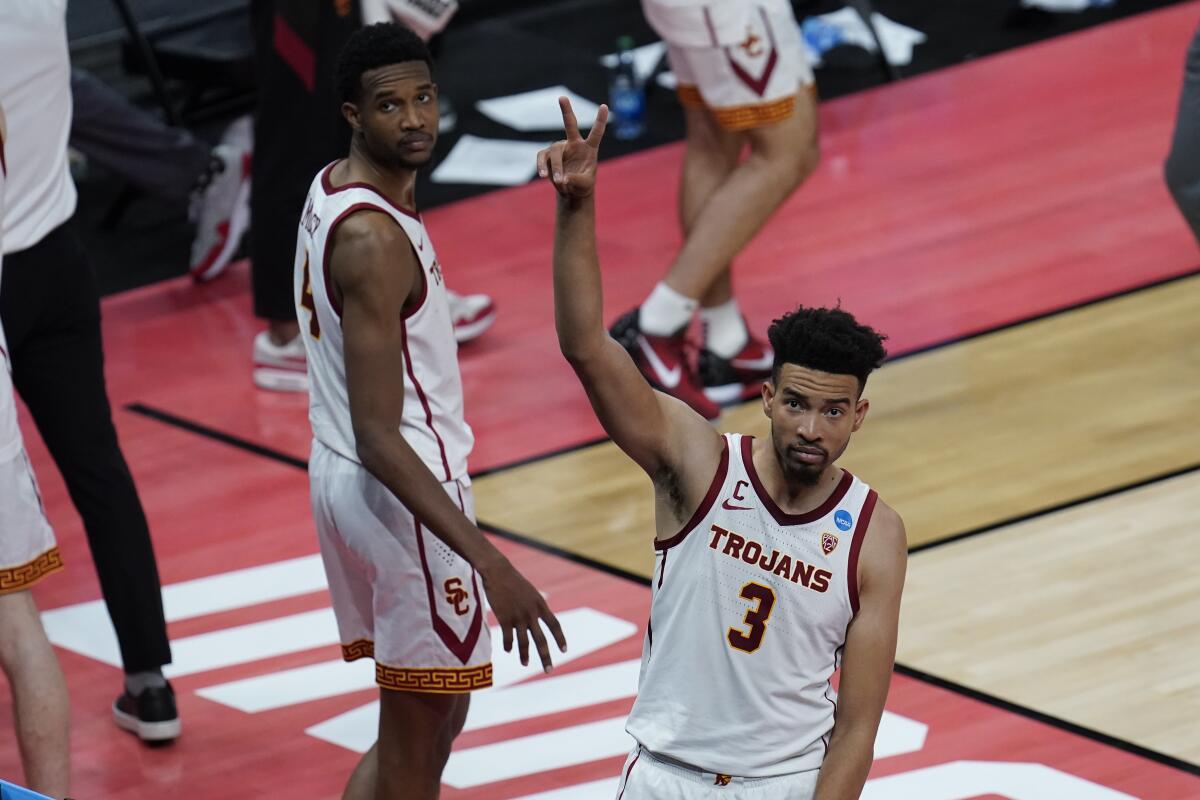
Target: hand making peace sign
[571,163]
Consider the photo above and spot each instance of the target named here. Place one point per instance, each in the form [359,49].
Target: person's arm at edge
[375,268]
[867,660]
[655,430]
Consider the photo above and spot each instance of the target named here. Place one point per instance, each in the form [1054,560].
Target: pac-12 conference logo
[843,519]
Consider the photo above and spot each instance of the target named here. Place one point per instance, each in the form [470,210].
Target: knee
[790,162]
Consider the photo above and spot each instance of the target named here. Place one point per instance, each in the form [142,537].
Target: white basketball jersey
[749,614]
[10,433]
[432,420]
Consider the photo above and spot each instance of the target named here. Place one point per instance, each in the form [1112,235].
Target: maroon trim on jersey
[860,533]
[662,569]
[329,188]
[417,306]
[781,516]
[327,262]
[421,396]
[3,163]
[461,648]
[757,85]
[705,506]
[626,781]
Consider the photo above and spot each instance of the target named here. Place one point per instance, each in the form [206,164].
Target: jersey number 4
[306,302]
[756,617]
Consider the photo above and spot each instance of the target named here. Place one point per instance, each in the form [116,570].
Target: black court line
[1057,722]
[220,436]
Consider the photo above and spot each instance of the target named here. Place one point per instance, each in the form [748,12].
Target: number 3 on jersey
[756,618]
[306,302]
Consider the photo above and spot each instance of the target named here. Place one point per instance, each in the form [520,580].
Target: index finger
[570,124]
[597,132]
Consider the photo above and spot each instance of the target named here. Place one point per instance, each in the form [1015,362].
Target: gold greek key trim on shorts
[360,648]
[689,96]
[14,579]
[435,680]
[739,118]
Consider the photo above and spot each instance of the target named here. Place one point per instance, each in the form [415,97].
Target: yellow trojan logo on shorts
[457,596]
[722,780]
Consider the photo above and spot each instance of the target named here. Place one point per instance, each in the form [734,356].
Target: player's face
[398,114]
[812,415]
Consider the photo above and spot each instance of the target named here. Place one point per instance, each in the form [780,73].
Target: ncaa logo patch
[843,520]
[829,543]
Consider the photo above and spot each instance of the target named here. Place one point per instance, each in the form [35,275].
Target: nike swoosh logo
[669,378]
[766,362]
[728,507]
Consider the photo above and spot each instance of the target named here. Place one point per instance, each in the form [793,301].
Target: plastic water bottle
[626,95]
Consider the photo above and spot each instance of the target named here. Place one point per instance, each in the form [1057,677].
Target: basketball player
[27,554]
[774,565]
[390,493]
[745,86]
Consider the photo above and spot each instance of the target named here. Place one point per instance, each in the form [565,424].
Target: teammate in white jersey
[390,492]
[774,564]
[28,553]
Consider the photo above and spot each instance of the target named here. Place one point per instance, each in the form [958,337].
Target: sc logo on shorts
[457,596]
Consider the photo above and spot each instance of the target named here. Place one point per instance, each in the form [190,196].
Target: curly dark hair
[826,339]
[376,46]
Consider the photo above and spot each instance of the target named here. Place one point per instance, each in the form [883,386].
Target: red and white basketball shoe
[664,362]
[472,314]
[222,212]
[280,367]
[731,380]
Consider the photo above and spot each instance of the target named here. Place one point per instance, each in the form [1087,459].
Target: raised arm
[376,270]
[660,433]
[867,659]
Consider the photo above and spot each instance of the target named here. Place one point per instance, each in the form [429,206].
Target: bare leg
[39,694]
[283,331]
[712,154]
[416,731]
[781,156]
[361,785]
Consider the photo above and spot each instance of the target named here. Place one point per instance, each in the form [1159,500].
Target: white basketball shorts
[749,72]
[649,777]
[27,549]
[400,595]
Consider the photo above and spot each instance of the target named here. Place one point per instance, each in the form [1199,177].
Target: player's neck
[398,184]
[792,496]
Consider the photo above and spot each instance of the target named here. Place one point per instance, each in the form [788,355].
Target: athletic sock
[665,311]
[137,682]
[724,329]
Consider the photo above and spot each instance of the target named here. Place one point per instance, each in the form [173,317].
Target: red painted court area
[945,205]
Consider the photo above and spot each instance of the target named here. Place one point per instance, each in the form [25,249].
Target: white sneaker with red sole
[472,314]
[280,367]
[222,213]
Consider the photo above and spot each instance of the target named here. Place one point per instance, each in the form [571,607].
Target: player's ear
[350,112]
[860,413]
[768,396]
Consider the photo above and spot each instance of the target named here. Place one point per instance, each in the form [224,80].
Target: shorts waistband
[702,776]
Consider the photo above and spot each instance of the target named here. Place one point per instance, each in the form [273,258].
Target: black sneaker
[151,715]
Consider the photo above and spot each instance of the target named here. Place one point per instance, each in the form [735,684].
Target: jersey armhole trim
[860,533]
[706,504]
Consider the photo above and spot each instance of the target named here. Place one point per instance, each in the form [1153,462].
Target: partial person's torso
[749,614]
[432,421]
[35,89]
